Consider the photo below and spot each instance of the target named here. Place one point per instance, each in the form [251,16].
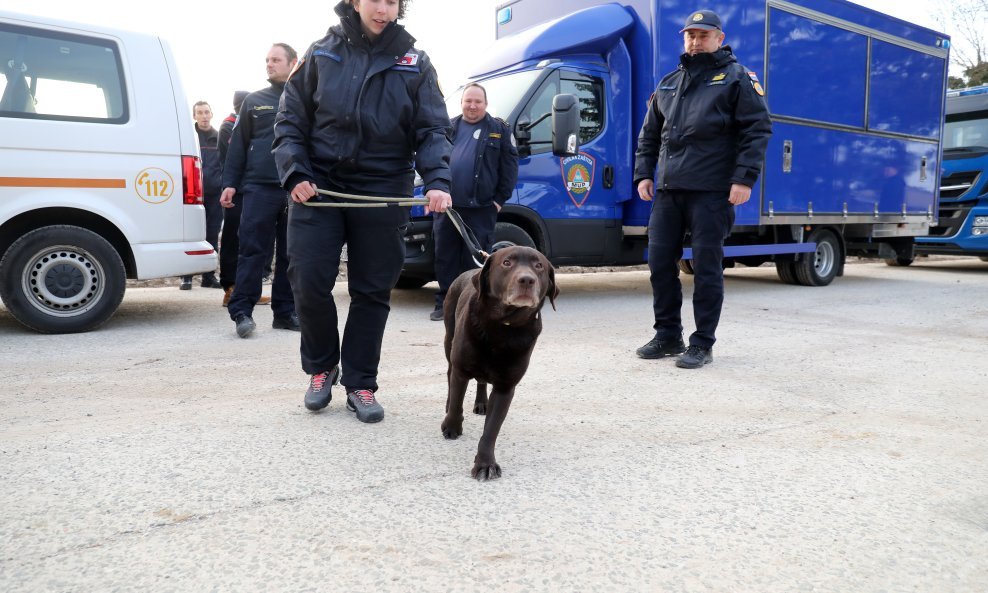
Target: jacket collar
[717,59]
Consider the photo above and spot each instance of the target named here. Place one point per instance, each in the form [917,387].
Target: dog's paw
[485,471]
[451,431]
[480,408]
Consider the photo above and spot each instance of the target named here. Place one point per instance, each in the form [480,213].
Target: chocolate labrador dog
[492,320]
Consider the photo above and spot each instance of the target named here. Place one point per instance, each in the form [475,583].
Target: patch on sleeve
[755,84]
[409,59]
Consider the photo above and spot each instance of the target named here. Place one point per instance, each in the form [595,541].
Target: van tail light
[191,180]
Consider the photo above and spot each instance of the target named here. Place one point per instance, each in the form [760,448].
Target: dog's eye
[506,263]
[538,265]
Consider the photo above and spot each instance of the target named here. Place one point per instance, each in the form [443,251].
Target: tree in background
[967,23]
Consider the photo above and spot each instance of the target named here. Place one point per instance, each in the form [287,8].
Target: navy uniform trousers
[708,216]
[452,254]
[263,219]
[375,239]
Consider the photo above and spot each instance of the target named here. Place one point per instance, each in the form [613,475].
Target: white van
[100,177]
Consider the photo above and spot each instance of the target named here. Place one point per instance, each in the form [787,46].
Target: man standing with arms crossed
[484,167]
[707,128]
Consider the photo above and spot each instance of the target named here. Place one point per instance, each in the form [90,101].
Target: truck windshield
[969,132]
[504,93]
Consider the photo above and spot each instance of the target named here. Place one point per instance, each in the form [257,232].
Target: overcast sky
[220,45]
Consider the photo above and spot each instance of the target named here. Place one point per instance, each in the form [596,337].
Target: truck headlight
[981,221]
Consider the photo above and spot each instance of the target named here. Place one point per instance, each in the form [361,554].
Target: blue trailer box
[856,98]
[962,227]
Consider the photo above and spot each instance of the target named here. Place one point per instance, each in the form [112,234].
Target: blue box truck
[856,98]
[962,225]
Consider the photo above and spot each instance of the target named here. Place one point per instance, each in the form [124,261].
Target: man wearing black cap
[707,128]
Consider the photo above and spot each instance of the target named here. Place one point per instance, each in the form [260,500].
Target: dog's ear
[481,281]
[552,291]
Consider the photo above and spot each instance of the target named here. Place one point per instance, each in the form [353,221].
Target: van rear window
[48,75]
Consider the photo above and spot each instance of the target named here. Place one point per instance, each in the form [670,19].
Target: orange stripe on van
[62,182]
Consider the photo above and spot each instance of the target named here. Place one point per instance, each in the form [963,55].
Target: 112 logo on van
[154,185]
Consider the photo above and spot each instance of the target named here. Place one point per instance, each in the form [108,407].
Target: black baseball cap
[702,19]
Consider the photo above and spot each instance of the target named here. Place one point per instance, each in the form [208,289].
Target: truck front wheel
[820,267]
[62,279]
[507,234]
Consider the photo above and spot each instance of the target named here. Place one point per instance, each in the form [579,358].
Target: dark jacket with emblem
[356,113]
[212,169]
[707,126]
[495,169]
[249,158]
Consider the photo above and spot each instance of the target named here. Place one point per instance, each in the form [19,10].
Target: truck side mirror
[523,135]
[565,125]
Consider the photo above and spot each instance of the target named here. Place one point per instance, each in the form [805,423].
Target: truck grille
[952,216]
[956,184]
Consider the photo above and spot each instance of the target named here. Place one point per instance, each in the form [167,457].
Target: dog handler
[360,104]
[707,128]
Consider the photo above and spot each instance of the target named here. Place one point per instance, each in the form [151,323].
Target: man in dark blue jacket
[362,107]
[707,128]
[212,184]
[250,170]
[484,168]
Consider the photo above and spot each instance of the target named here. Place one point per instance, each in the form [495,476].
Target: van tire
[62,279]
[507,234]
[686,266]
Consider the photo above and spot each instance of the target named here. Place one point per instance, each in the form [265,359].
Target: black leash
[383,202]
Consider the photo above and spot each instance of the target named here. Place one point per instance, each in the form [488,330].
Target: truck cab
[962,226]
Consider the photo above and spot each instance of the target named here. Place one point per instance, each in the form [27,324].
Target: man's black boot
[245,325]
[695,357]
[290,322]
[658,347]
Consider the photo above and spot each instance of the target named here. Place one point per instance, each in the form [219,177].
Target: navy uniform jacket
[356,114]
[495,170]
[212,169]
[249,158]
[707,126]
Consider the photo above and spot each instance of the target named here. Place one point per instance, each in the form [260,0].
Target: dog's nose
[526,279]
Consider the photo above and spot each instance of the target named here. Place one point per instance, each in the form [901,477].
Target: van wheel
[820,267]
[686,266]
[62,279]
[507,234]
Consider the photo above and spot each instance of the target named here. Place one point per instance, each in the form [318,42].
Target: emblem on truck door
[578,176]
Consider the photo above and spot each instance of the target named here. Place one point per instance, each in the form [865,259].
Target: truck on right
[962,227]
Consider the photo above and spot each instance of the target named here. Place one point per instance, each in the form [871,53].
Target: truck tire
[899,261]
[686,266]
[820,268]
[787,271]
[507,234]
[62,279]
[411,282]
